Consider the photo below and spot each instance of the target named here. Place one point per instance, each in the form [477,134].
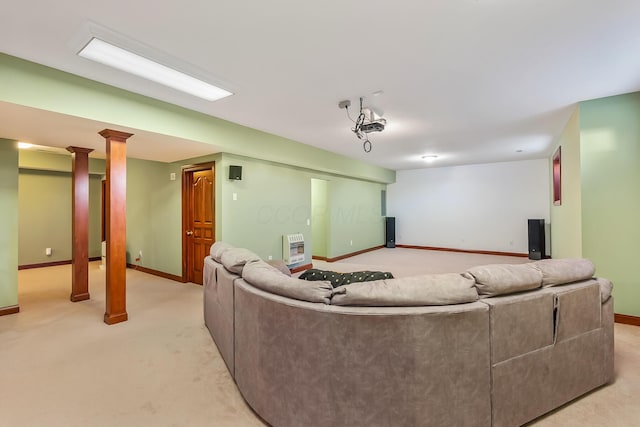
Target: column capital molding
[115,134]
[73,149]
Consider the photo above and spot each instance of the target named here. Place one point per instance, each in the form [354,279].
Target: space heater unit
[293,248]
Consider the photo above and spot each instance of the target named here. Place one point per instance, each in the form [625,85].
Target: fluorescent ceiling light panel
[113,56]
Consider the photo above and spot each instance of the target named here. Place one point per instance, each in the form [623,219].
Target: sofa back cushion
[270,279]
[606,287]
[429,289]
[217,249]
[234,259]
[280,265]
[501,279]
[564,270]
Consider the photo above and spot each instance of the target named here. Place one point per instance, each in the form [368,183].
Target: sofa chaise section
[548,345]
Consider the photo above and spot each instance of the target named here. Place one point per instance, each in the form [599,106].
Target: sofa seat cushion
[339,279]
[217,249]
[234,259]
[500,279]
[430,289]
[270,279]
[564,270]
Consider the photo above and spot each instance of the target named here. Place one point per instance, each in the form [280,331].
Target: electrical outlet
[270,257]
[47,251]
[351,242]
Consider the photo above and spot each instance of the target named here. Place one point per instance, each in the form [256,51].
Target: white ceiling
[471,81]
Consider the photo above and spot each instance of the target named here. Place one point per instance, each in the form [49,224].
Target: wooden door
[198,220]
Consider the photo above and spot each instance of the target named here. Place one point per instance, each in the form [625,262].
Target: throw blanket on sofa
[339,279]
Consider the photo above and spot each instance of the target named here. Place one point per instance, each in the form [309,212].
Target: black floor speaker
[390,232]
[536,239]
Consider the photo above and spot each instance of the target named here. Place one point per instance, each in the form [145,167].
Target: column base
[79,297]
[112,319]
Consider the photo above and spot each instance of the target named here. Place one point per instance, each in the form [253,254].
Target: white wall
[477,207]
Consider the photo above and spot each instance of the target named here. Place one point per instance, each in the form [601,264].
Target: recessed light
[23,145]
[429,158]
[116,57]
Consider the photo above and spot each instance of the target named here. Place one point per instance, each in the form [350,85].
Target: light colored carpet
[60,365]
[404,262]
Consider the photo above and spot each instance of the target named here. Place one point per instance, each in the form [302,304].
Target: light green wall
[272,200]
[45,216]
[319,217]
[153,211]
[37,86]
[45,206]
[9,223]
[48,161]
[154,216]
[275,199]
[610,170]
[566,219]
[355,220]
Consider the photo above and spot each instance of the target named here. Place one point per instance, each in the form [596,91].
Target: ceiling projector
[369,120]
[373,126]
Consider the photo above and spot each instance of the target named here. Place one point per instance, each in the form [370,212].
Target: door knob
[189,233]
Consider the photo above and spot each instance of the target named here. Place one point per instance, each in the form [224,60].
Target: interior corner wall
[154,216]
[319,217]
[566,218]
[355,217]
[9,223]
[610,171]
[474,207]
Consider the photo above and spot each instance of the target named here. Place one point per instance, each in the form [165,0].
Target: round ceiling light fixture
[429,157]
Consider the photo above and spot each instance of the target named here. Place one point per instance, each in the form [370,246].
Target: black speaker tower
[536,239]
[390,232]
